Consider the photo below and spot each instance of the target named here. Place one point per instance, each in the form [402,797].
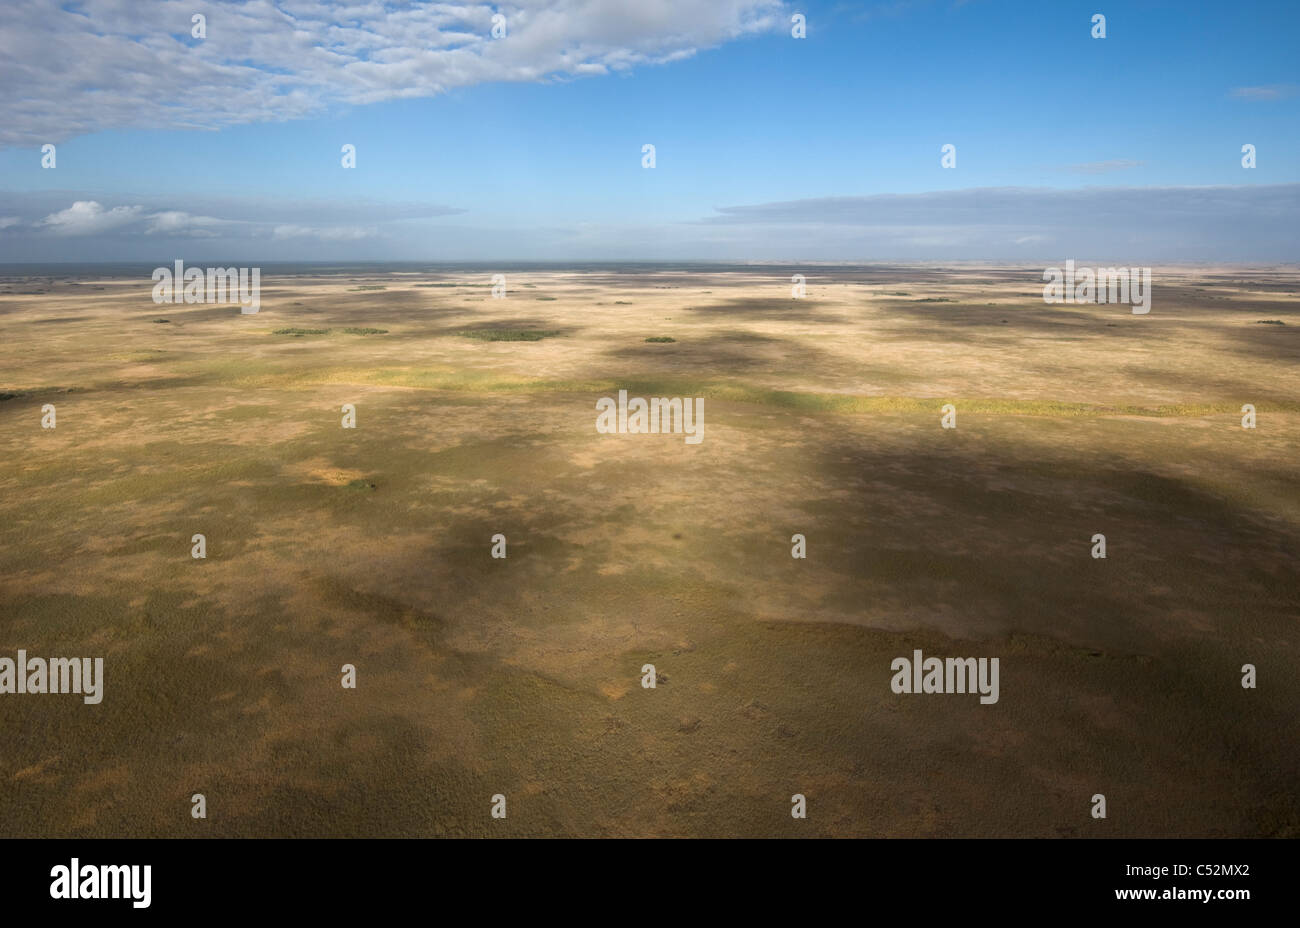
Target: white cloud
[1104,167]
[178,222]
[154,220]
[69,69]
[87,217]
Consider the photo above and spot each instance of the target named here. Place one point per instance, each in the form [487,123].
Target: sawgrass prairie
[521,676]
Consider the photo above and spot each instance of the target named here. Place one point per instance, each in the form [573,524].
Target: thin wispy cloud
[1165,223]
[1267,92]
[1011,205]
[1104,167]
[331,234]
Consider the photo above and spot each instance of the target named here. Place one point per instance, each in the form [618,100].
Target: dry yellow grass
[480,676]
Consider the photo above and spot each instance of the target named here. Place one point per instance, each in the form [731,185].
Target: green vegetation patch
[296,331]
[1270,322]
[509,335]
[364,330]
[246,372]
[661,338]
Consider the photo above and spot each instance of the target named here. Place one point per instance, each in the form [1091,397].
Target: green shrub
[509,335]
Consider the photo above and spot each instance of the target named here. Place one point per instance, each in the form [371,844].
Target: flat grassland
[477,676]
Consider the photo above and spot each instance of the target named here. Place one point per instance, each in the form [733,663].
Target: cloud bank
[1208,223]
[74,68]
[1132,225]
[78,226]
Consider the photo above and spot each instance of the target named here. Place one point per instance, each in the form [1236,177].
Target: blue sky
[497,153]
